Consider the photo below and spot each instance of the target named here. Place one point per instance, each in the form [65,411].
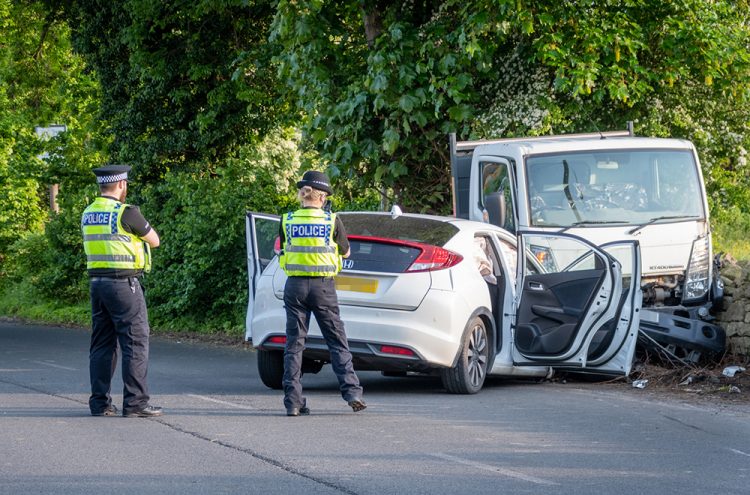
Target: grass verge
[20,300]
[732,239]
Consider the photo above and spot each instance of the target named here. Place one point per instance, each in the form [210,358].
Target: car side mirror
[494,203]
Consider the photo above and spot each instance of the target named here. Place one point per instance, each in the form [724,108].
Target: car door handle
[536,286]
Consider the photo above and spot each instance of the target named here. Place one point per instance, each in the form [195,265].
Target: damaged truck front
[607,187]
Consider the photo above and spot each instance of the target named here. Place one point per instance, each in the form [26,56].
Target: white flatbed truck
[607,187]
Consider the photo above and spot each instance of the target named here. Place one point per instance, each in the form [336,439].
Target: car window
[484,259]
[562,254]
[424,230]
[508,252]
[266,234]
[378,256]
[624,256]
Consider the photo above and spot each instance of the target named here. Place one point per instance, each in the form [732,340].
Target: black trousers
[119,319]
[316,295]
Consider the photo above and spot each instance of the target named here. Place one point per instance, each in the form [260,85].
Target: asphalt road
[224,432]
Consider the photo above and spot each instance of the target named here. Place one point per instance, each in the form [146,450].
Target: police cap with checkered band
[111,173]
[316,180]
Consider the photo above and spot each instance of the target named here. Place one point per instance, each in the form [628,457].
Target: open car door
[577,305]
[261,232]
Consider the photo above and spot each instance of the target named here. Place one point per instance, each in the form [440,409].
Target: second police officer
[116,239]
[313,242]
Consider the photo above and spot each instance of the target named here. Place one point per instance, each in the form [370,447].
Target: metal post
[53,190]
[45,133]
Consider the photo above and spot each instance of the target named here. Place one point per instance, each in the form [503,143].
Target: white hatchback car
[455,297]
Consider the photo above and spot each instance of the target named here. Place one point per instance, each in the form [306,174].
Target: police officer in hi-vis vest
[117,241]
[313,241]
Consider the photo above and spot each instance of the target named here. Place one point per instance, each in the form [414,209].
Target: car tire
[271,368]
[469,373]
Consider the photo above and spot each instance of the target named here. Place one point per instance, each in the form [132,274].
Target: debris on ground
[723,378]
[710,381]
[730,371]
[721,382]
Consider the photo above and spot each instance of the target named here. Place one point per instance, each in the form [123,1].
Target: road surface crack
[268,460]
[256,455]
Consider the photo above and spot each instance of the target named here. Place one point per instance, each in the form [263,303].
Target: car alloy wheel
[477,355]
[469,373]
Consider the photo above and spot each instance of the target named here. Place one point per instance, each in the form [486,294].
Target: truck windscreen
[628,187]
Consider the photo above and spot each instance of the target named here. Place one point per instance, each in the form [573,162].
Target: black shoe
[110,410]
[357,405]
[298,411]
[146,412]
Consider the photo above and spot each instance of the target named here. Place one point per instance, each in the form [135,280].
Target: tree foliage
[200,272]
[41,82]
[380,96]
[203,99]
[185,83]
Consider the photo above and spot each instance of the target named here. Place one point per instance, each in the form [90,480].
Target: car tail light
[277,339]
[434,258]
[430,258]
[394,349]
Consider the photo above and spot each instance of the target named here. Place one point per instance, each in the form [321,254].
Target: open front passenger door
[577,305]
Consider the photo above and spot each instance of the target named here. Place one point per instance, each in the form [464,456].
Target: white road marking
[740,452]
[226,403]
[487,467]
[55,365]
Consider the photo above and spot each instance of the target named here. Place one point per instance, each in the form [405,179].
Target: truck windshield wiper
[566,189]
[656,219]
[590,222]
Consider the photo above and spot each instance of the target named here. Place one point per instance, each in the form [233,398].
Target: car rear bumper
[365,355]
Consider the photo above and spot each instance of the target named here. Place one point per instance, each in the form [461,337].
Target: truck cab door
[577,305]
[261,233]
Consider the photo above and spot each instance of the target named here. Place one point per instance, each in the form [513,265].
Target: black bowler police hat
[316,180]
[111,173]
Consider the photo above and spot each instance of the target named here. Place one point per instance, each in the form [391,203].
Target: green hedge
[199,276]
[200,271]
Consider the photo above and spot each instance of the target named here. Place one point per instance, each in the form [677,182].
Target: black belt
[110,279]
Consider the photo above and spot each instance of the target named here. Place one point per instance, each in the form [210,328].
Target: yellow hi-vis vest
[106,243]
[309,250]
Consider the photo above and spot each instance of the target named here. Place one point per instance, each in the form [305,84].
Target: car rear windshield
[424,230]
[378,256]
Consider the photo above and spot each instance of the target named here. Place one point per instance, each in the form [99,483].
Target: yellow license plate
[355,284]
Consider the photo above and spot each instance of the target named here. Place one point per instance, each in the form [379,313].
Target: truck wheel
[468,376]
[271,368]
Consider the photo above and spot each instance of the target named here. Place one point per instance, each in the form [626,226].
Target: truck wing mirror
[494,203]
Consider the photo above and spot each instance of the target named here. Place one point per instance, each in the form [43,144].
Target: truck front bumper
[683,333]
